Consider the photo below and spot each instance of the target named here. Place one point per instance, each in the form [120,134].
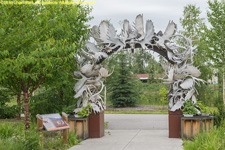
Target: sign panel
[53,122]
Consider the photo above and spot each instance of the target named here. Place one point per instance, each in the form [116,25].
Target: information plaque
[53,122]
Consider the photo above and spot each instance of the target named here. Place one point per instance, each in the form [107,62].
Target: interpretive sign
[54,122]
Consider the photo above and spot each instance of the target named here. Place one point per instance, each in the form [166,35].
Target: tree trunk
[26,110]
[19,106]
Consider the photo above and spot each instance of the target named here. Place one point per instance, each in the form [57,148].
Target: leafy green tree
[57,96]
[37,42]
[216,39]
[193,27]
[123,86]
[216,45]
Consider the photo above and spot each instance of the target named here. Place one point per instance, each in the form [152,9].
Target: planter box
[96,125]
[175,124]
[79,125]
[191,126]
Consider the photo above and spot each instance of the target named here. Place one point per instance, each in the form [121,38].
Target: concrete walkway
[133,132]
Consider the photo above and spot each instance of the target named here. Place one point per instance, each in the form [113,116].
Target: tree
[216,39]
[37,42]
[123,87]
[193,27]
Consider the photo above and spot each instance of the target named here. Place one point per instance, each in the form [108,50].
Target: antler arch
[182,75]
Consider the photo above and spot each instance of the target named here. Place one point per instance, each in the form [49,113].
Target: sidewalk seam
[131,140]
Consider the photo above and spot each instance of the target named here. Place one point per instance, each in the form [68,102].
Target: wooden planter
[191,126]
[80,126]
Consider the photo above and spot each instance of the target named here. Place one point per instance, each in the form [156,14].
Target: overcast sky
[159,11]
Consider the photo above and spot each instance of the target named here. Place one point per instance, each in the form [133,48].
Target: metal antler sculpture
[176,49]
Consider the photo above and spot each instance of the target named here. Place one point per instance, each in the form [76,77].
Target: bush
[53,100]
[8,111]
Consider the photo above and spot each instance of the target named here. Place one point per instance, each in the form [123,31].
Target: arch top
[107,41]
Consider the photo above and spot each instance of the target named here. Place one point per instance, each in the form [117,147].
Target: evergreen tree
[123,86]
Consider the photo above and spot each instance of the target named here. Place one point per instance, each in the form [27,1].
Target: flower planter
[79,125]
[191,126]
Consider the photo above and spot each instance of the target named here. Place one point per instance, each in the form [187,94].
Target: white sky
[159,11]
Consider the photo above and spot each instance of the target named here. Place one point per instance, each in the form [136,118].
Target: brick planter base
[96,125]
[175,124]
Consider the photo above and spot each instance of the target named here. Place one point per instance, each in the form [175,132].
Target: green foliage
[85,111]
[204,109]
[69,109]
[8,111]
[163,96]
[144,63]
[193,27]
[207,94]
[189,108]
[216,33]
[72,139]
[4,95]
[150,94]
[212,140]
[14,136]
[53,100]
[38,42]
[215,37]
[122,84]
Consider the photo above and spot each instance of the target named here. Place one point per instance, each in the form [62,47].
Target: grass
[14,136]
[212,140]
[136,112]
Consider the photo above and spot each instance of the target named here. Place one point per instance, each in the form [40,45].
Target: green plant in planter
[204,109]
[85,111]
[189,108]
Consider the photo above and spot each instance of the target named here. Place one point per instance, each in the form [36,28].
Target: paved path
[133,132]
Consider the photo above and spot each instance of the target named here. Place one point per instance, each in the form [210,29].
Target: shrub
[8,111]
[53,100]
